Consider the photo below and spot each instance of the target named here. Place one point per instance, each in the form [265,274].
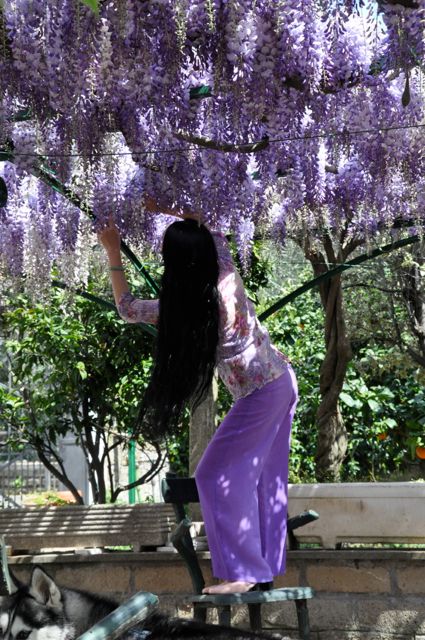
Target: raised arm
[130,308]
[110,238]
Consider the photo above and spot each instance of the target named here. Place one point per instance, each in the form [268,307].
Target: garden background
[297,130]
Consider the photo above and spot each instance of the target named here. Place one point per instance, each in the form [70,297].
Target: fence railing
[21,473]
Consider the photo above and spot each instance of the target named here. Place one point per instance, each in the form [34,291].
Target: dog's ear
[44,589]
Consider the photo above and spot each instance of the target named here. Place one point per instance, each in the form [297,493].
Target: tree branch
[250,147]
[92,477]
[364,285]
[151,473]
[40,445]
[311,284]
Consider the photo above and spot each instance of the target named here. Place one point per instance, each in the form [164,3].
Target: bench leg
[255,616]
[199,613]
[224,616]
[303,619]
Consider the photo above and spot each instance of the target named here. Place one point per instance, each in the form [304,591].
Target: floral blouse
[246,359]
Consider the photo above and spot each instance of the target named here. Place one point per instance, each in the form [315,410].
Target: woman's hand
[110,237]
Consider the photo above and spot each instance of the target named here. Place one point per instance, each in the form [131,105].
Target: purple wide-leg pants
[242,481]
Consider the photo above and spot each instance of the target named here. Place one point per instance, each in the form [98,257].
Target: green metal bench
[182,491]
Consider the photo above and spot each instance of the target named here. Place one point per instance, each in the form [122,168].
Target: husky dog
[43,611]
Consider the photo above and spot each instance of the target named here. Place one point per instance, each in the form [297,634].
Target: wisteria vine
[251,112]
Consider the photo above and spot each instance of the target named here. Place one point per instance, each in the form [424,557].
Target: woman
[205,320]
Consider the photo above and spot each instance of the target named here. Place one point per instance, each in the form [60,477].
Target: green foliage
[178,450]
[66,356]
[75,368]
[384,410]
[382,402]
[92,4]
[297,331]
[70,356]
[383,399]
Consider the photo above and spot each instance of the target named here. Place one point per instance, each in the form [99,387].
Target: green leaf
[92,4]
[204,91]
[375,406]
[347,399]
[82,369]
[390,422]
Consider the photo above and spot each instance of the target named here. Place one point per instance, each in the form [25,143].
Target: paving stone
[344,635]
[411,579]
[96,579]
[157,580]
[362,579]
[404,615]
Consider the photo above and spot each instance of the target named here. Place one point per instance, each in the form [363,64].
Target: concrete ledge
[360,594]
[361,512]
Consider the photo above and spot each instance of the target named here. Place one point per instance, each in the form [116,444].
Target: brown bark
[332,439]
[332,435]
[414,297]
[201,429]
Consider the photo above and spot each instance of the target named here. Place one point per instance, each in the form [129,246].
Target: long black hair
[187,328]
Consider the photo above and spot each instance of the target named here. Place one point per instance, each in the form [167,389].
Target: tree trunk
[413,291]
[332,435]
[201,429]
[59,474]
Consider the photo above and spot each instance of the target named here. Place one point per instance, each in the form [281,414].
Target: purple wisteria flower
[110,106]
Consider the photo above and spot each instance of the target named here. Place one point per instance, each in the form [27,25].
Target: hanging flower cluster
[167,98]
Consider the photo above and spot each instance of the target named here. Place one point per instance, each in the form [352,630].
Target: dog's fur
[43,611]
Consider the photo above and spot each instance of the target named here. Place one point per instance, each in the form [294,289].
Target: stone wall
[360,594]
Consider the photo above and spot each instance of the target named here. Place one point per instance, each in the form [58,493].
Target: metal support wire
[334,272]
[52,181]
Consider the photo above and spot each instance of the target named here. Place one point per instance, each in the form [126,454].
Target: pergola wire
[255,146]
[48,177]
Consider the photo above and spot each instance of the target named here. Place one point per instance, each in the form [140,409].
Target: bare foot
[229,587]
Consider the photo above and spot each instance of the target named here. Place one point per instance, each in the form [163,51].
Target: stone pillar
[75,464]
